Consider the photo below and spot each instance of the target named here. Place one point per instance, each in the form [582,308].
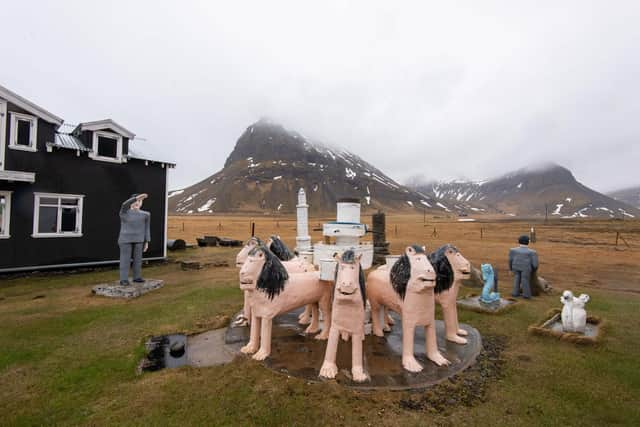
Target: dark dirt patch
[468,388]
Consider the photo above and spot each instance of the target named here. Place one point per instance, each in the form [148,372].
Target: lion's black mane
[442,266]
[280,249]
[401,272]
[273,275]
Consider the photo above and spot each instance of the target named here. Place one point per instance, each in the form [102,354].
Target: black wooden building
[61,188]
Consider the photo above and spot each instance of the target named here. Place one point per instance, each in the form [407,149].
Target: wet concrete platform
[472,302]
[133,290]
[293,353]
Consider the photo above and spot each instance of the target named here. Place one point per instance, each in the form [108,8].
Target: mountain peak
[270,163]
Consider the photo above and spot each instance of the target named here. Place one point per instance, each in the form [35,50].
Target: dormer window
[107,146]
[24,132]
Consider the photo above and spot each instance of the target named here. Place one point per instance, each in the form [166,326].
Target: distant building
[61,188]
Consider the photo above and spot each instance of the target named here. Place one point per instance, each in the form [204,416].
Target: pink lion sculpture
[273,291]
[407,289]
[347,319]
[292,264]
[451,269]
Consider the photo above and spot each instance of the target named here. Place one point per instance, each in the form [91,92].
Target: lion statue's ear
[410,251]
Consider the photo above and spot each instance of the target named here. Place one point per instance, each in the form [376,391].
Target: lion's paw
[249,349]
[359,375]
[311,329]
[261,354]
[438,359]
[322,335]
[411,364]
[328,370]
[458,340]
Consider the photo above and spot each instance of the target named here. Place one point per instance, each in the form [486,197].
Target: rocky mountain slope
[528,192]
[270,163]
[630,196]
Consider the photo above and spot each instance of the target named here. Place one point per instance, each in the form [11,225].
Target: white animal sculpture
[574,316]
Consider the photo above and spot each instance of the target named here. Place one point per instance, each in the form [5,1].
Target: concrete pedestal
[294,353]
[134,290]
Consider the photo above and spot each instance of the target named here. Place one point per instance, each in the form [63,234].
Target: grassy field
[69,358]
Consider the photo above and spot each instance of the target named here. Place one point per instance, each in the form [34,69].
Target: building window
[5,214]
[107,146]
[57,215]
[24,132]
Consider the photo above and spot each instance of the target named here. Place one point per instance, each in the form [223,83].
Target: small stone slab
[472,302]
[133,290]
[208,349]
[190,265]
[553,327]
[296,354]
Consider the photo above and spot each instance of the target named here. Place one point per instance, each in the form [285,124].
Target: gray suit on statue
[522,261]
[135,231]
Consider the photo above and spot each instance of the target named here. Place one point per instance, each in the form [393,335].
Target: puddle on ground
[165,351]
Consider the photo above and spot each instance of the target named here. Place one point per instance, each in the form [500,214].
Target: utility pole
[546,213]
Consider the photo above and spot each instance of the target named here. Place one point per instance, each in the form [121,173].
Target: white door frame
[3,131]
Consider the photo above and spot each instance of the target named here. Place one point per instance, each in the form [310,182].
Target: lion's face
[460,265]
[244,252]
[347,289]
[251,270]
[423,276]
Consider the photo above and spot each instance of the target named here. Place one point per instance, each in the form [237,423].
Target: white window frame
[7,217]
[36,214]
[33,132]
[94,151]
[3,130]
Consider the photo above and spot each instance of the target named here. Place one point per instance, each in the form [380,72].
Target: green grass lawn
[70,358]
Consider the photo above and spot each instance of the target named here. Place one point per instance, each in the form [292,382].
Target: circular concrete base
[293,353]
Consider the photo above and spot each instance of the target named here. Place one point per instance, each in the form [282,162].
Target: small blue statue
[489,296]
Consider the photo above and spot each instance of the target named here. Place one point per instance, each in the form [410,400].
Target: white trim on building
[29,106]
[95,145]
[33,132]
[5,220]
[106,124]
[3,130]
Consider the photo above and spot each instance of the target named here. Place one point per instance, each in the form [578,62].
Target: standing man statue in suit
[522,262]
[134,238]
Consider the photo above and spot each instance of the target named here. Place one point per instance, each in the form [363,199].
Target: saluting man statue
[134,238]
[522,262]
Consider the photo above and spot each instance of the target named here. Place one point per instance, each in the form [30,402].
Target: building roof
[64,140]
[68,141]
[106,123]
[29,106]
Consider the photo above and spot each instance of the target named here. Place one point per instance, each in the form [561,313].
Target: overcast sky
[443,89]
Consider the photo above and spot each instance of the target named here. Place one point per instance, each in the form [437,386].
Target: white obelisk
[303,240]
